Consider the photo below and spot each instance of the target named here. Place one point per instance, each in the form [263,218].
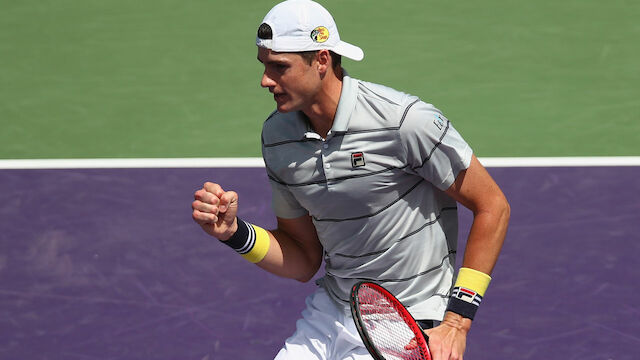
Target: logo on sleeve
[439,122]
[357,159]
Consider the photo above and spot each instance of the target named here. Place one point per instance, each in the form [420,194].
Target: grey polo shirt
[374,188]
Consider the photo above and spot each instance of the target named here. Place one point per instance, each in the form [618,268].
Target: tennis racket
[387,329]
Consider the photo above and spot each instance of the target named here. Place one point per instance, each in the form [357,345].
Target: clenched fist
[215,210]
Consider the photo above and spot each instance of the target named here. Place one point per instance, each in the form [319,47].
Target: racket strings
[387,326]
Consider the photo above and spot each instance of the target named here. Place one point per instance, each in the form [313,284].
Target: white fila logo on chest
[357,159]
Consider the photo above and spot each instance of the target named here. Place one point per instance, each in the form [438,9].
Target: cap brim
[351,51]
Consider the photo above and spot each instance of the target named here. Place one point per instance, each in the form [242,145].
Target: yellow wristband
[261,246]
[250,241]
[473,280]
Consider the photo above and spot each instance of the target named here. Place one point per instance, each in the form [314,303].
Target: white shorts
[325,332]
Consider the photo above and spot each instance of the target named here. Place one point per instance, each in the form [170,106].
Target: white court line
[257,162]
[131,163]
[561,161]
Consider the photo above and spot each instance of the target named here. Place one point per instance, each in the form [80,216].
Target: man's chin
[283,108]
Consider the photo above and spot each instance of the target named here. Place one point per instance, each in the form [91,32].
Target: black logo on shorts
[357,159]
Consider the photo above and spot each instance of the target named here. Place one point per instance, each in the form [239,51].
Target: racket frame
[357,319]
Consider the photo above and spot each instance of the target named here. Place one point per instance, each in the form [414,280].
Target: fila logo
[467,295]
[439,122]
[357,159]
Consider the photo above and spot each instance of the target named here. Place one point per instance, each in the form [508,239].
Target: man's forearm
[486,238]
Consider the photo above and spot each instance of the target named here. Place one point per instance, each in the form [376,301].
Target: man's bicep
[474,187]
[302,231]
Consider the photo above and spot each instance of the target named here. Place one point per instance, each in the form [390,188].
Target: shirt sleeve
[283,202]
[433,149]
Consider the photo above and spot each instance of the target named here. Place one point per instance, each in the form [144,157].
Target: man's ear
[323,57]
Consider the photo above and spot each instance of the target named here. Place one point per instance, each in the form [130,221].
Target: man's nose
[267,81]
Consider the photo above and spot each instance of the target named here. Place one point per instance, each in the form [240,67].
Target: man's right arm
[294,249]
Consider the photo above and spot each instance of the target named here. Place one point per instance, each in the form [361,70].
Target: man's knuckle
[211,186]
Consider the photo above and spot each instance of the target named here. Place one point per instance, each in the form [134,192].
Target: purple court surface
[107,264]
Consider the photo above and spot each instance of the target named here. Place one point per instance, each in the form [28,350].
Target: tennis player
[367,179]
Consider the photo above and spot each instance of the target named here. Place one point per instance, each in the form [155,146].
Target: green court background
[169,78]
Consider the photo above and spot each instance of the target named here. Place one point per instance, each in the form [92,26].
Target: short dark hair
[265,33]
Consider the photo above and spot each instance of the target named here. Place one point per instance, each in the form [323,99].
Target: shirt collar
[346,104]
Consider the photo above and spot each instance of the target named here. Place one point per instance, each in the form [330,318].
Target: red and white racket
[387,329]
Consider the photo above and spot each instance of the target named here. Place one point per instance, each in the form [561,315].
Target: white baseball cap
[304,25]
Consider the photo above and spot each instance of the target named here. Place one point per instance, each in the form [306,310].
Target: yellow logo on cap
[320,34]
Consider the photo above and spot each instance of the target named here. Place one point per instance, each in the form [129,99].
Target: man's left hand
[448,340]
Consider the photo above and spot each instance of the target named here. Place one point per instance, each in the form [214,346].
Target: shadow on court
[107,264]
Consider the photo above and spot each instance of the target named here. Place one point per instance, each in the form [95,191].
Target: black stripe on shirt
[450,253]
[377,212]
[429,223]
